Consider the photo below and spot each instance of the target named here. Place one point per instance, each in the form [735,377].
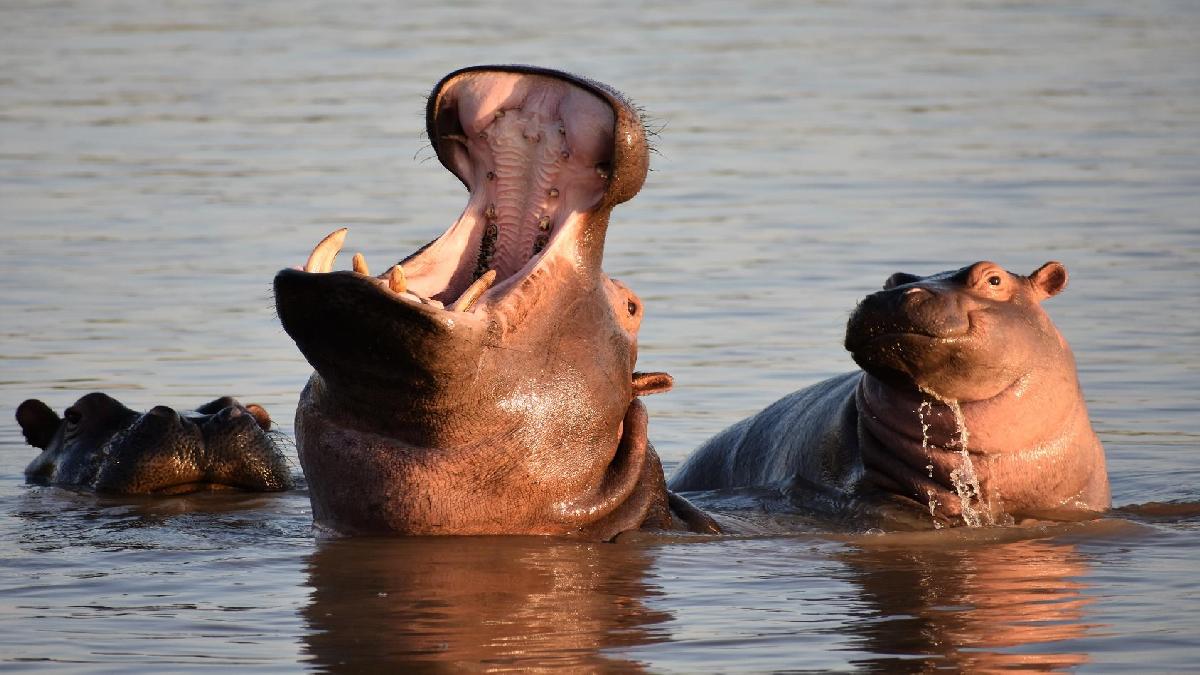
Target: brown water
[159,161]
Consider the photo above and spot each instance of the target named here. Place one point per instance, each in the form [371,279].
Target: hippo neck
[973,458]
[1024,414]
[454,382]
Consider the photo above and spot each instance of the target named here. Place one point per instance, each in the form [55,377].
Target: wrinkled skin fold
[967,411]
[100,444]
[485,384]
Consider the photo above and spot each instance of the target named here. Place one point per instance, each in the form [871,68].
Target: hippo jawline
[545,156]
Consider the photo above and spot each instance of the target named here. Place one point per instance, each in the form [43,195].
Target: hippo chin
[485,384]
[100,444]
[968,408]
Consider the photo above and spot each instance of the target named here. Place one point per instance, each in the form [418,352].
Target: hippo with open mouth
[968,409]
[99,443]
[486,384]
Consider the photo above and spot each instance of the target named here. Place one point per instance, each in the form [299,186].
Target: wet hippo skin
[967,409]
[486,384]
[99,443]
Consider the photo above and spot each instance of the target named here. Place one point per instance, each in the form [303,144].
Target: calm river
[159,161]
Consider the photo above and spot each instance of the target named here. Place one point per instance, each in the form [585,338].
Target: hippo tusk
[360,265]
[475,290]
[396,281]
[321,259]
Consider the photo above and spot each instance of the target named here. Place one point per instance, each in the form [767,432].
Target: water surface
[159,161]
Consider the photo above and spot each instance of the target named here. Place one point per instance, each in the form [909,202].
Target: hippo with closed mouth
[486,384]
[967,408]
[99,443]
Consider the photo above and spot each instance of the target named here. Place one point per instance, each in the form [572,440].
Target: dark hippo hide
[485,384]
[100,444]
[967,411]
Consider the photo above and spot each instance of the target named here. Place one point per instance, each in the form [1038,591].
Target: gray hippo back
[968,408]
[100,444]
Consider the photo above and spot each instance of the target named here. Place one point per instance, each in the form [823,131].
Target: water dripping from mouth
[924,409]
[976,512]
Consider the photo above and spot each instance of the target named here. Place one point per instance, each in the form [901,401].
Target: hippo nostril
[899,279]
[912,297]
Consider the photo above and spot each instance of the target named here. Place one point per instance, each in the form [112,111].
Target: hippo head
[964,335]
[99,443]
[485,383]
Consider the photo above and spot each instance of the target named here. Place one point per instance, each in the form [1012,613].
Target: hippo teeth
[396,281]
[321,259]
[360,265]
[469,296]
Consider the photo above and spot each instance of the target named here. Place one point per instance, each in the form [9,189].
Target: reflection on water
[499,603]
[939,604]
[150,585]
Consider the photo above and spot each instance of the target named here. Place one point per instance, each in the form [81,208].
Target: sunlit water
[159,161]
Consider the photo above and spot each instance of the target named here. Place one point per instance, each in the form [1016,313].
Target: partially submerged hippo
[485,384]
[99,443]
[969,409]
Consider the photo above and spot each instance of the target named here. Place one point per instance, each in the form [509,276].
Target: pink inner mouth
[534,151]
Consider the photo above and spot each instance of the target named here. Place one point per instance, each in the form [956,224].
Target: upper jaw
[545,156]
[612,138]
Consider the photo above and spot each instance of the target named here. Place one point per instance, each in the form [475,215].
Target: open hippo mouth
[544,156]
[485,384]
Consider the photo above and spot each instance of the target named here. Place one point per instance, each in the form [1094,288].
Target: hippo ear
[260,415]
[38,422]
[1049,280]
[645,384]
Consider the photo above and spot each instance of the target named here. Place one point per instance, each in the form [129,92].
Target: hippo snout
[906,310]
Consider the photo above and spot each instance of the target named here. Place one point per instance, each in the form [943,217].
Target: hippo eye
[632,307]
[72,416]
[994,280]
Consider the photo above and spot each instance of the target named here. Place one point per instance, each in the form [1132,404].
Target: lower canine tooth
[321,259]
[475,290]
[360,265]
[396,280]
